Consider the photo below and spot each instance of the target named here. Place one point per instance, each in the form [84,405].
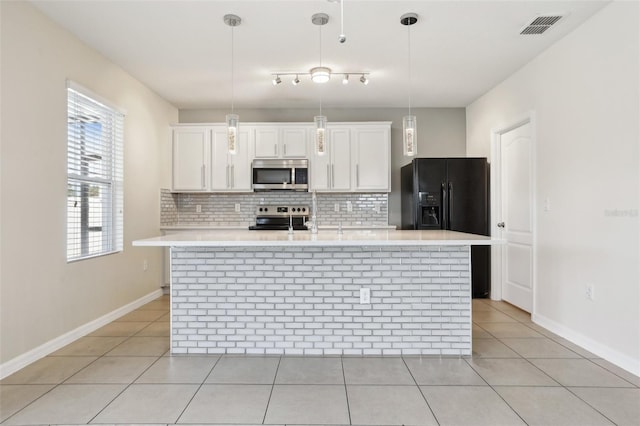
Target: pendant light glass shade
[232,133]
[321,127]
[409,135]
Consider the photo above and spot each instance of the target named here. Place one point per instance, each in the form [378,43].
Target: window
[94,175]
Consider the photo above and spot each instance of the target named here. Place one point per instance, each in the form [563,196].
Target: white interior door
[516,221]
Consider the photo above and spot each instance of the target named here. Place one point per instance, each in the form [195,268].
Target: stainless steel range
[278,218]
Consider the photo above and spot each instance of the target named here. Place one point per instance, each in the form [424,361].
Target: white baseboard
[53,345]
[621,360]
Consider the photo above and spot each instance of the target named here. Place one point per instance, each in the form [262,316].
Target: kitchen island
[359,292]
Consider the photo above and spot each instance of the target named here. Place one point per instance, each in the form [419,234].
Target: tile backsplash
[219,209]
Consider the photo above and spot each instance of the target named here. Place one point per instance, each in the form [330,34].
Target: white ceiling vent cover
[540,24]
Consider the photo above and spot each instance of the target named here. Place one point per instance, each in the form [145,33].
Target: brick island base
[306,300]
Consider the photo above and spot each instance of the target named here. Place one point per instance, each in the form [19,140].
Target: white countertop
[368,237]
[236,227]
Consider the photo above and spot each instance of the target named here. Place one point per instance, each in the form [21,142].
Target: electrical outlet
[365,296]
[589,291]
[336,207]
[237,207]
[349,207]
[145,265]
[198,208]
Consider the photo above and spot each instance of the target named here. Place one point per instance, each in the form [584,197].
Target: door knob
[501,225]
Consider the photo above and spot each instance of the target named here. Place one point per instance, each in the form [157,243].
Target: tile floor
[519,374]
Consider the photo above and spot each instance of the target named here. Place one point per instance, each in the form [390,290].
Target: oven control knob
[304,209]
[266,209]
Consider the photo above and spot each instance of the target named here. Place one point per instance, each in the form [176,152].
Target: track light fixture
[320,74]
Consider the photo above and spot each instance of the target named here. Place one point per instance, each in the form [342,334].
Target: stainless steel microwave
[280,175]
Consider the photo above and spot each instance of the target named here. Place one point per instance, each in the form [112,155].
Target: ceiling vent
[540,24]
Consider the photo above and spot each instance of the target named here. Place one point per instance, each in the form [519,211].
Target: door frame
[496,202]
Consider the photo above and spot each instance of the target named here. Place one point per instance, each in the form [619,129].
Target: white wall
[585,93]
[441,132]
[41,296]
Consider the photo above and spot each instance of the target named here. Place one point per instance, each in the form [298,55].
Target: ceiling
[182,49]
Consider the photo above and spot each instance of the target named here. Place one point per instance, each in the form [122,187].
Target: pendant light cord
[409,44]
[342,19]
[320,43]
[232,73]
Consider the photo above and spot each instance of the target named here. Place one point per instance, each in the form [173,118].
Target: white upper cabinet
[358,157]
[332,171]
[266,142]
[190,158]
[371,151]
[281,141]
[230,172]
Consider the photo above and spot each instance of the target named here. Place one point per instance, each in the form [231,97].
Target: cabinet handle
[227,176]
[333,175]
[233,176]
[284,148]
[328,178]
[275,149]
[202,175]
[358,175]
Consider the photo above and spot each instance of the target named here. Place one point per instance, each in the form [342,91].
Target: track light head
[295,81]
[345,79]
[364,80]
[276,80]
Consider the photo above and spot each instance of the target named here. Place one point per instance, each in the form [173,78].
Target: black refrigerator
[453,194]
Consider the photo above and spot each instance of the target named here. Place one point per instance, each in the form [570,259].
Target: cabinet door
[372,158]
[266,142]
[220,169]
[240,163]
[320,166]
[190,148]
[294,142]
[340,146]
[230,172]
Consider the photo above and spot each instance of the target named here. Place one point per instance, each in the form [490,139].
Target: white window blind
[95,133]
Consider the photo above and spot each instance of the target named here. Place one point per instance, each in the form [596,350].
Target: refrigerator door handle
[443,190]
[450,206]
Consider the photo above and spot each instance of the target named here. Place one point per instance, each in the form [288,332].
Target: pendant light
[232,119]
[409,123]
[320,19]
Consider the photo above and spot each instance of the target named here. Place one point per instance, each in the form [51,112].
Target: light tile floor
[519,374]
